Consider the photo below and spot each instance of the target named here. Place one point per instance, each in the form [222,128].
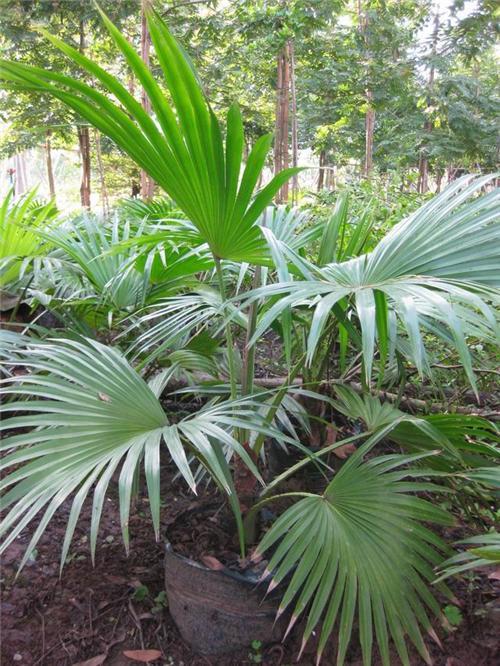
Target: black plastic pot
[217,612]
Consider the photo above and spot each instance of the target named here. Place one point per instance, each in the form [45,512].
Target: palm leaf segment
[183,151]
[436,270]
[466,441]
[92,416]
[360,544]
[483,551]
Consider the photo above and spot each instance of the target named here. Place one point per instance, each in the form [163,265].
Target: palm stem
[228,331]
[247,378]
[273,408]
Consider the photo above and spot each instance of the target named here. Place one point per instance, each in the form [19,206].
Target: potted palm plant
[358,553]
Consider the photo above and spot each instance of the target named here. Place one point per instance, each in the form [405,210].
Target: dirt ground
[92,615]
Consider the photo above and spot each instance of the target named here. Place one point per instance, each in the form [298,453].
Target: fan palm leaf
[361,545]
[436,272]
[86,243]
[94,416]
[184,150]
[170,319]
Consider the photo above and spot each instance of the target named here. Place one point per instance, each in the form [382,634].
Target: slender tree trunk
[102,178]
[423,163]
[277,126]
[369,132]
[295,140]
[321,172]
[50,169]
[439,180]
[147,183]
[281,152]
[84,143]
[370,111]
[131,84]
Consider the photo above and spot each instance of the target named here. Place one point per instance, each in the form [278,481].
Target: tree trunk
[295,140]
[439,180]
[19,173]
[423,163]
[281,154]
[50,169]
[147,183]
[370,111]
[369,132]
[84,143]
[321,172]
[102,179]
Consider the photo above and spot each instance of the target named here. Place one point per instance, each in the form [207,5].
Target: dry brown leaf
[495,575]
[95,661]
[344,451]
[144,656]
[212,563]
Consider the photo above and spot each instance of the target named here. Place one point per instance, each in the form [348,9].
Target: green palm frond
[485,552]
[488,476]
[361,549]
[182,149]
[435,272]
[154,210]
[94,416]
[19,241]
[343,238]
[177,317]
[87,245]
[100,269]
[465,440]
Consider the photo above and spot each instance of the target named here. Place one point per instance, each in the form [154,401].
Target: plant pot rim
[230,573]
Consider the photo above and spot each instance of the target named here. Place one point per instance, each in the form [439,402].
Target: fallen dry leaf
[144,656]
[212,563]
[344,451]
[495,575]
[95,661]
